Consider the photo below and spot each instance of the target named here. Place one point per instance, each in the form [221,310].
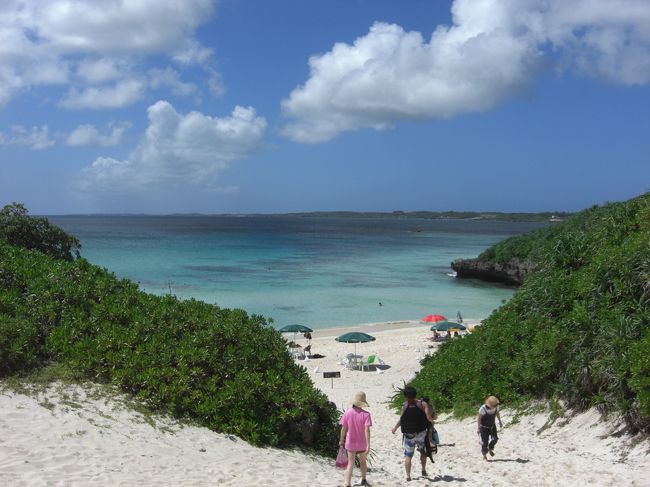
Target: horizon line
[485,213]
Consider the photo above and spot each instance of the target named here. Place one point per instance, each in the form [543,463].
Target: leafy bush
[223,368]
[18,228]
[578,328]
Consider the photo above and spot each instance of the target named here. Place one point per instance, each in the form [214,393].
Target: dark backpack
[413,419]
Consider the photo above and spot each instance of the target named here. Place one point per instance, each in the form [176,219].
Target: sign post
[331,375]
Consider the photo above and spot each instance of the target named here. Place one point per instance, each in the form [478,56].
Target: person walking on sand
[414,422]
[487,429]
[355,436]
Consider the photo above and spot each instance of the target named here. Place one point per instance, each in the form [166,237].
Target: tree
[36,233]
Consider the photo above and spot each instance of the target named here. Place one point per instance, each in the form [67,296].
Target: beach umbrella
[447,325]
[433,318]
[295,329]
[355,337]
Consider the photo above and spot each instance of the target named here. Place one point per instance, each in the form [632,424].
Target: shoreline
[381,327]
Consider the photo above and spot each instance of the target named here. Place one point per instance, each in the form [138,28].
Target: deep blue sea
[317,271]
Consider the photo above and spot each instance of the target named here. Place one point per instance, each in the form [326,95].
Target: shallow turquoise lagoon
[322,272]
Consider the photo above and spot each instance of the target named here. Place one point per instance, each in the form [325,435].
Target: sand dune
[74,435]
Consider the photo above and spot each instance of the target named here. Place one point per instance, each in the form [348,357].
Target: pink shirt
[356,420]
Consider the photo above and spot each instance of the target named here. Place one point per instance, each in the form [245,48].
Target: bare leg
[407,466]
[348,471]
[423,461]
[364,465]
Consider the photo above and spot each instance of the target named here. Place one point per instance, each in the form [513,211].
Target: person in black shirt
[414,422]
[487,429]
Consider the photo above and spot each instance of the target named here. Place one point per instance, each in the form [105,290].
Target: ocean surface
[318,271]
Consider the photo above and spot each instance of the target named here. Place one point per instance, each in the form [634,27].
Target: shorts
[413,441]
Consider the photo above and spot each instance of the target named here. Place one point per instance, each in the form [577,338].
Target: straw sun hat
[360,400]
[492,401]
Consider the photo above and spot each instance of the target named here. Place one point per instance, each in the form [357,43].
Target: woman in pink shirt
[355,436]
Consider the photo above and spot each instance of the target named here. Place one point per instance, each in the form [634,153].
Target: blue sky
[246,106]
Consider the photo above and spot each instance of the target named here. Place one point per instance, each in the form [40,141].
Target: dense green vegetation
[37,233]
[577,330]
[524,247]
[221,367]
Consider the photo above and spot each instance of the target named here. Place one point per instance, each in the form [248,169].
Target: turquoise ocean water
[321,272]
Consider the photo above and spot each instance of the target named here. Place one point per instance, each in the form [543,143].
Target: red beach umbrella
[433,318]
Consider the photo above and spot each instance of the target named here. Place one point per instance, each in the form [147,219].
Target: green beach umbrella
[447,325]
[355,337]
[295,329]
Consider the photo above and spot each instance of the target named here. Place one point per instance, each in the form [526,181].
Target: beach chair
[376,361]
[353,361]
[372,360]
[296,352]
[367,363]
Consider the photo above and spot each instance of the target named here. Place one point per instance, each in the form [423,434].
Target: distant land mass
[546,216]
[442,215]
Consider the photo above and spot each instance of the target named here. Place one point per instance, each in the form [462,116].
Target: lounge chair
[296,352]
[367,363]
[372,360]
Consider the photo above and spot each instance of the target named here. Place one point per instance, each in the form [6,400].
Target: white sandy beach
[71,436]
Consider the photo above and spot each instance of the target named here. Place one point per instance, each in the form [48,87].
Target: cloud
[36,138]
[178,150]
[100,70]
[120,94]
[192,53]
[215,83]
[88,135]
[110,27]
[491,53]
[97,48]
[610,40]
[171,79]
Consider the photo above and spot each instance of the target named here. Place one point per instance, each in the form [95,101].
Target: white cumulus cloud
[492,52]
[97,48]
[609,39]
[36,138]
[88,135]
[179,149]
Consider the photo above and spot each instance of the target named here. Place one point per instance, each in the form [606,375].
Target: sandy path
[68,436]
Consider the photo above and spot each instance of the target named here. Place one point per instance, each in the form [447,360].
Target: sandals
[364,482]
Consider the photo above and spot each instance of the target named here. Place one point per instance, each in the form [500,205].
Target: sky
[273,106]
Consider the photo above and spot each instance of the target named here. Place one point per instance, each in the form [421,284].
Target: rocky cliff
[512,273]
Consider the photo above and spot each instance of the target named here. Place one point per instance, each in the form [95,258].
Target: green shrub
[18,228]
[225,369]
[577,329]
